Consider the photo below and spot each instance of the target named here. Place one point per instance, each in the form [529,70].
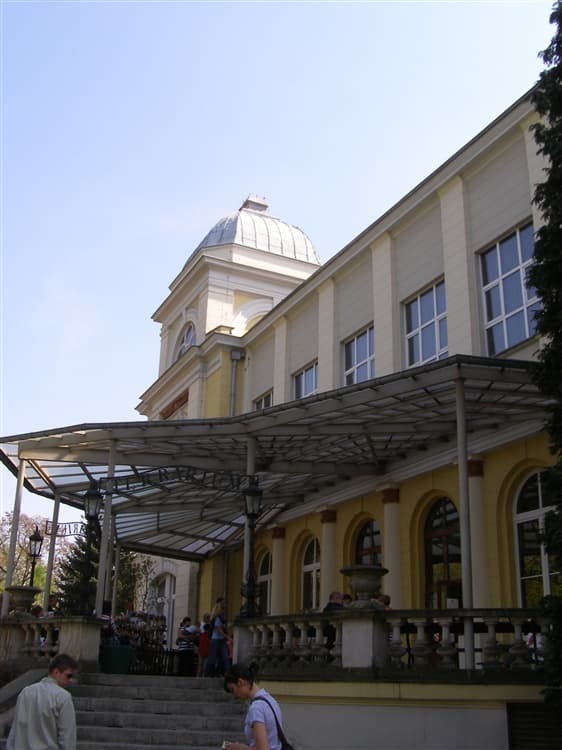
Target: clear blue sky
[130,128]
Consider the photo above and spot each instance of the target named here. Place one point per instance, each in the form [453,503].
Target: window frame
[494,292]
[312,569]
[350,373]
[259,403]
[301,375]
[519,518]
[416,333]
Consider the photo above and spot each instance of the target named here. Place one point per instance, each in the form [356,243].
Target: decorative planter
[21,597]
[365,581]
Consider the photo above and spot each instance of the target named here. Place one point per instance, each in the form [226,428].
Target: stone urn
[21,597]
[365,581]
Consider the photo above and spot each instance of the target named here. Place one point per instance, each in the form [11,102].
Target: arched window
[186,341]
[264,584]
[310,581]
[536,576]
[368,546]
[443,578]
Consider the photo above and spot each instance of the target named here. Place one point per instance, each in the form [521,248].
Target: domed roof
[252,227]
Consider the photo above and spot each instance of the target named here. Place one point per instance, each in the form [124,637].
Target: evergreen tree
[77,574]
[546,276]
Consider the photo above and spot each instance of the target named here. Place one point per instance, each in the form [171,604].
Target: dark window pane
[443,333]
[512,293]
[413,349]
[428,342]
[298,386]
[516,329]
[372,341]
[362,373]
[496,342]
[440,298]
[531,322]
[412,321]
[361,351]
[493,303]
[350,378]
[349,352]
[508,254]
[529,495]
[527,242]
[427,308]
[490,266]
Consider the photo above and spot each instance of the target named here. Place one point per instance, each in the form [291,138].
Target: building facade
[254,320]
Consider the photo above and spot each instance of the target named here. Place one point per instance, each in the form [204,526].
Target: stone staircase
[126,712]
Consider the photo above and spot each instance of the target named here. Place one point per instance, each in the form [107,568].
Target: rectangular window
[264,401]
[359,357]
[306,381]
[426,326]
[509,301]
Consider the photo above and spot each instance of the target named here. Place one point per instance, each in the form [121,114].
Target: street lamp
[35,544]
[252,507]
[93,498]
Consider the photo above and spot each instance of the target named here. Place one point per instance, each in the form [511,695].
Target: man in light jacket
[44,718]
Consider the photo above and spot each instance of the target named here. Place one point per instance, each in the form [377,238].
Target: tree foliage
[22,563]
[76,578]
[546,276]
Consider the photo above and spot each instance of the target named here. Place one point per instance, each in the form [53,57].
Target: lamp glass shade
[92,501]
[253,499]
[35,543]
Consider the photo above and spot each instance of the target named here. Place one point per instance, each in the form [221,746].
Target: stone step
[149,720]
[182,706]
[132,738]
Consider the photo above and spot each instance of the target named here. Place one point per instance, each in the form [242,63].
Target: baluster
[264,649]
[287,650]
[492,650]
[421,650]
[447,649]
[337,650]
[303,650]
[519,651]
[396,649]
[317,648]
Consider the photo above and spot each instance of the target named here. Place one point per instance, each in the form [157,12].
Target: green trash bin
[116,659]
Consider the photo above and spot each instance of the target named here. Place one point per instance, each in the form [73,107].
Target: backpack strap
[280,732]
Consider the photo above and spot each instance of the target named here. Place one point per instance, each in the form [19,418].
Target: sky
[130,128]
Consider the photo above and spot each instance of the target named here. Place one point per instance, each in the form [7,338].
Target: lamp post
[252,507]
[35,544]
[93,498]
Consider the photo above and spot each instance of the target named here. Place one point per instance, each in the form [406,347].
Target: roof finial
[255,203]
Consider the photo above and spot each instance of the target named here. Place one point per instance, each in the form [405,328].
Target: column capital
[278,532]
[475,467]
[328,516]
[391,494]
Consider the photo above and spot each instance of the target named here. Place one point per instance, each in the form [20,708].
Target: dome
[251,226]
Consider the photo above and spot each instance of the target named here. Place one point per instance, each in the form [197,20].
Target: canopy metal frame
[175,488]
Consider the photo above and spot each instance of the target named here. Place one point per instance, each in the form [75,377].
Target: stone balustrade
[395,643]
[33,640]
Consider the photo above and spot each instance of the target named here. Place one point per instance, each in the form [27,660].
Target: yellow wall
[504,472]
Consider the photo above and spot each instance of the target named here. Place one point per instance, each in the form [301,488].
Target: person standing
[186,642]
[217,661]
[263,725]
[44,717]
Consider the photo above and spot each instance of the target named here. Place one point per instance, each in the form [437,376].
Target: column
[51,558]
[478,542]
[392,581]
[281,385]
[277,569]
[327,360]
[13,537]
[386,310]
[536,164]
[328,572]
[462,322]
